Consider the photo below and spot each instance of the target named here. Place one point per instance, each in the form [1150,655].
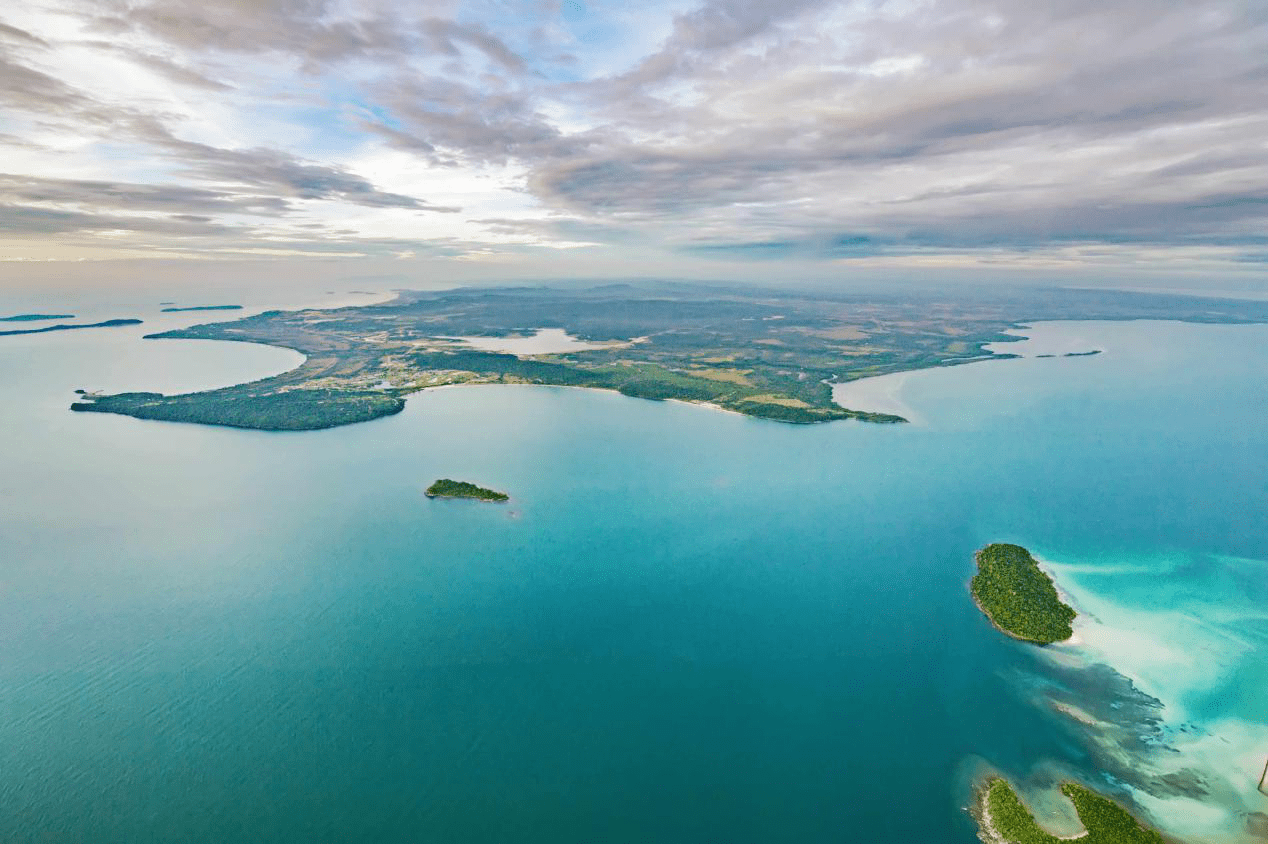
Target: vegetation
[110,323]
[1018,597]
[1105,821]
[769,354]
[35,317]
[203,308]
[446,488]
[294,410]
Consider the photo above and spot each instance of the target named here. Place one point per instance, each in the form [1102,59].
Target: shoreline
[988,833]
[1011,634]
[977,561]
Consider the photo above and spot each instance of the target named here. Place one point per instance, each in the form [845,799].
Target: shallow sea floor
[685,625]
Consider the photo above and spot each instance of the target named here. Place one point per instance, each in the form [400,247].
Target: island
[1018,597]
[110,323]
[35,317]
[1003,819]
[203,308]
[766,353]
[447,488]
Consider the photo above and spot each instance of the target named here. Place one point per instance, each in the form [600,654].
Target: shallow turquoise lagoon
[685,626]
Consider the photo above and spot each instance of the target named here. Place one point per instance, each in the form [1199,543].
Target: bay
[685,625]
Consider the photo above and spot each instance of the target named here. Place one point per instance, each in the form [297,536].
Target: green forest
[1018,597]
[448,488]
[1105,821]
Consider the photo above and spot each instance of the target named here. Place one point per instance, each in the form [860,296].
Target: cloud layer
[832,131]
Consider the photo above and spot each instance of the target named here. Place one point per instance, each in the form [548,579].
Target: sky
[1076,137]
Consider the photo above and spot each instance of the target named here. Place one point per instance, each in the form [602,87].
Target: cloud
[168,69]
[307,28]
[278,173]
[28,220]
[133,197]
[20,37]
[754,127]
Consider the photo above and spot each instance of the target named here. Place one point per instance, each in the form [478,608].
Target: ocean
[685,625]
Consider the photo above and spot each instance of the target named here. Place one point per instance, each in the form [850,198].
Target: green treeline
[292,410]
[639,380]
[448,488]
[1105,821]
[1018,597]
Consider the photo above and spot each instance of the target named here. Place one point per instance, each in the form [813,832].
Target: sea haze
[685,625]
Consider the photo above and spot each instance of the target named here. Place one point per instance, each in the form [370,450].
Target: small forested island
[203,308]
[35,317]
[1003,819]
[770,354]
[1018,597]
[447,488]
[110,323]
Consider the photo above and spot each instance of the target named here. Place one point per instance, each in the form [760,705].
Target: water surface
[685,626]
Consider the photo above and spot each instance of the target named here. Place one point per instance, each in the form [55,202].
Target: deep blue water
[686,625]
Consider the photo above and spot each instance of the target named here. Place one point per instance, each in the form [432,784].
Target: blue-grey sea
[685,626]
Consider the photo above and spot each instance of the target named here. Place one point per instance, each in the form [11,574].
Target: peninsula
[446,488]
[203,308]
[1018,597]
[110,323]
[1004,819]
[770,354]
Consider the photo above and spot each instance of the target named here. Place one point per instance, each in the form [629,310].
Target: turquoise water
[686,625]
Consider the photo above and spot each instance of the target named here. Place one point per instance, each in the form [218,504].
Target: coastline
[1074,640]
[1062,605]
[1009,633]
[980,810]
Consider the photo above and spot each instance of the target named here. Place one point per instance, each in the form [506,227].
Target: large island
[769,354]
